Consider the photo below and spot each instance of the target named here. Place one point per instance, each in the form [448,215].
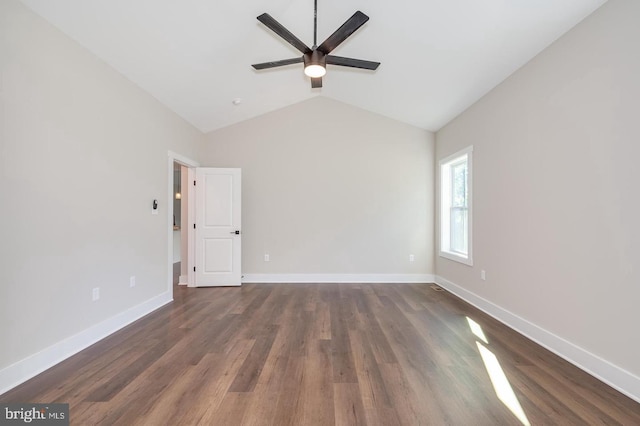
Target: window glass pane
[458,219]
[459,229]
[459,184]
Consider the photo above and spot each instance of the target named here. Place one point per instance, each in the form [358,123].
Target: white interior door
[217,227]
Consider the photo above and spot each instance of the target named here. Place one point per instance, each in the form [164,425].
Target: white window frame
[445,206]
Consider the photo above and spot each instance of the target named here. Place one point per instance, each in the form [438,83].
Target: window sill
[457,258]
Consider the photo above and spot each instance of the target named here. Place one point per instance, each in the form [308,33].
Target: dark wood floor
[322,354]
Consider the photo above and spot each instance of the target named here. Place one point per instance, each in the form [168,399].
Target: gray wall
[556,188]
[83,153]
[331,189]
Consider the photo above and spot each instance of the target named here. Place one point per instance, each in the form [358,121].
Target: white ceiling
[438,56]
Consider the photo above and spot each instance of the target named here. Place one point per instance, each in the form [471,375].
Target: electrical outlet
[266,257]
[412,258]
[132,281]
[96,294]
[483,275]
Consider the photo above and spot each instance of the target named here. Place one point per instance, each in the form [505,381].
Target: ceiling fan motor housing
[315,64]
[316,57]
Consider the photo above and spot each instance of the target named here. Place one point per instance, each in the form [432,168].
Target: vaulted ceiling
[438,56]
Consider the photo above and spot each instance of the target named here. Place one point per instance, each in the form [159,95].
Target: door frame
[174,157]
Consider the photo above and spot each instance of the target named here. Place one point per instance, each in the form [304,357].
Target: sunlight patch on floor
[499,380]
[477,330]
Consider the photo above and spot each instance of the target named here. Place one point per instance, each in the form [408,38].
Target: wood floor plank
[377,404]
[370,325]
[458,393]
[401,334]
[262,409]
[411,407]
[288,406]
[207,394]
[574,402]
[88,413]
[321,320]
[348,407]
[267,315]
[97,373]
[170,400]
[539,407]
[248,374]
[124,376]
[341,355]
[320,354]
[230,411]
[317,386]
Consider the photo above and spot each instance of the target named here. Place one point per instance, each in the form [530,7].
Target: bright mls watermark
[34,414]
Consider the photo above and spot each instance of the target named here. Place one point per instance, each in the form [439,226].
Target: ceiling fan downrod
[315,23]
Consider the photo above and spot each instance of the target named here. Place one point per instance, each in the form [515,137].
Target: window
[455,207]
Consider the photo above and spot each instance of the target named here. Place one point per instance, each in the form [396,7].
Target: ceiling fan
[317,57]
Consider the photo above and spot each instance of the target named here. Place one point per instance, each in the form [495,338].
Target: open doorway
[219,200]
[180,234]
[180,203]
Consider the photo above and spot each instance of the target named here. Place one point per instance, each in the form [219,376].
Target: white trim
[191,219]
[180,159]
[449,158]
[456,257]
[185,161]
[183,280]
[25,369]
[603,370]
[339,278]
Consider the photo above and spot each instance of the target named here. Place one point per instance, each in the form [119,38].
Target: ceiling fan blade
[274,64]
[279,29]
[316,83]
[353,63]
[349,27]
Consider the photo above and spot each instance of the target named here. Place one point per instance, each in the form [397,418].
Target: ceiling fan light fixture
[315,64]
[315,71]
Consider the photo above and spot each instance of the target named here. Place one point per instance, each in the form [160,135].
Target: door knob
[235,232]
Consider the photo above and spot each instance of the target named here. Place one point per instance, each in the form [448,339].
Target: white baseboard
[183,280]
[338,278]
[35,364]
[603,370]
